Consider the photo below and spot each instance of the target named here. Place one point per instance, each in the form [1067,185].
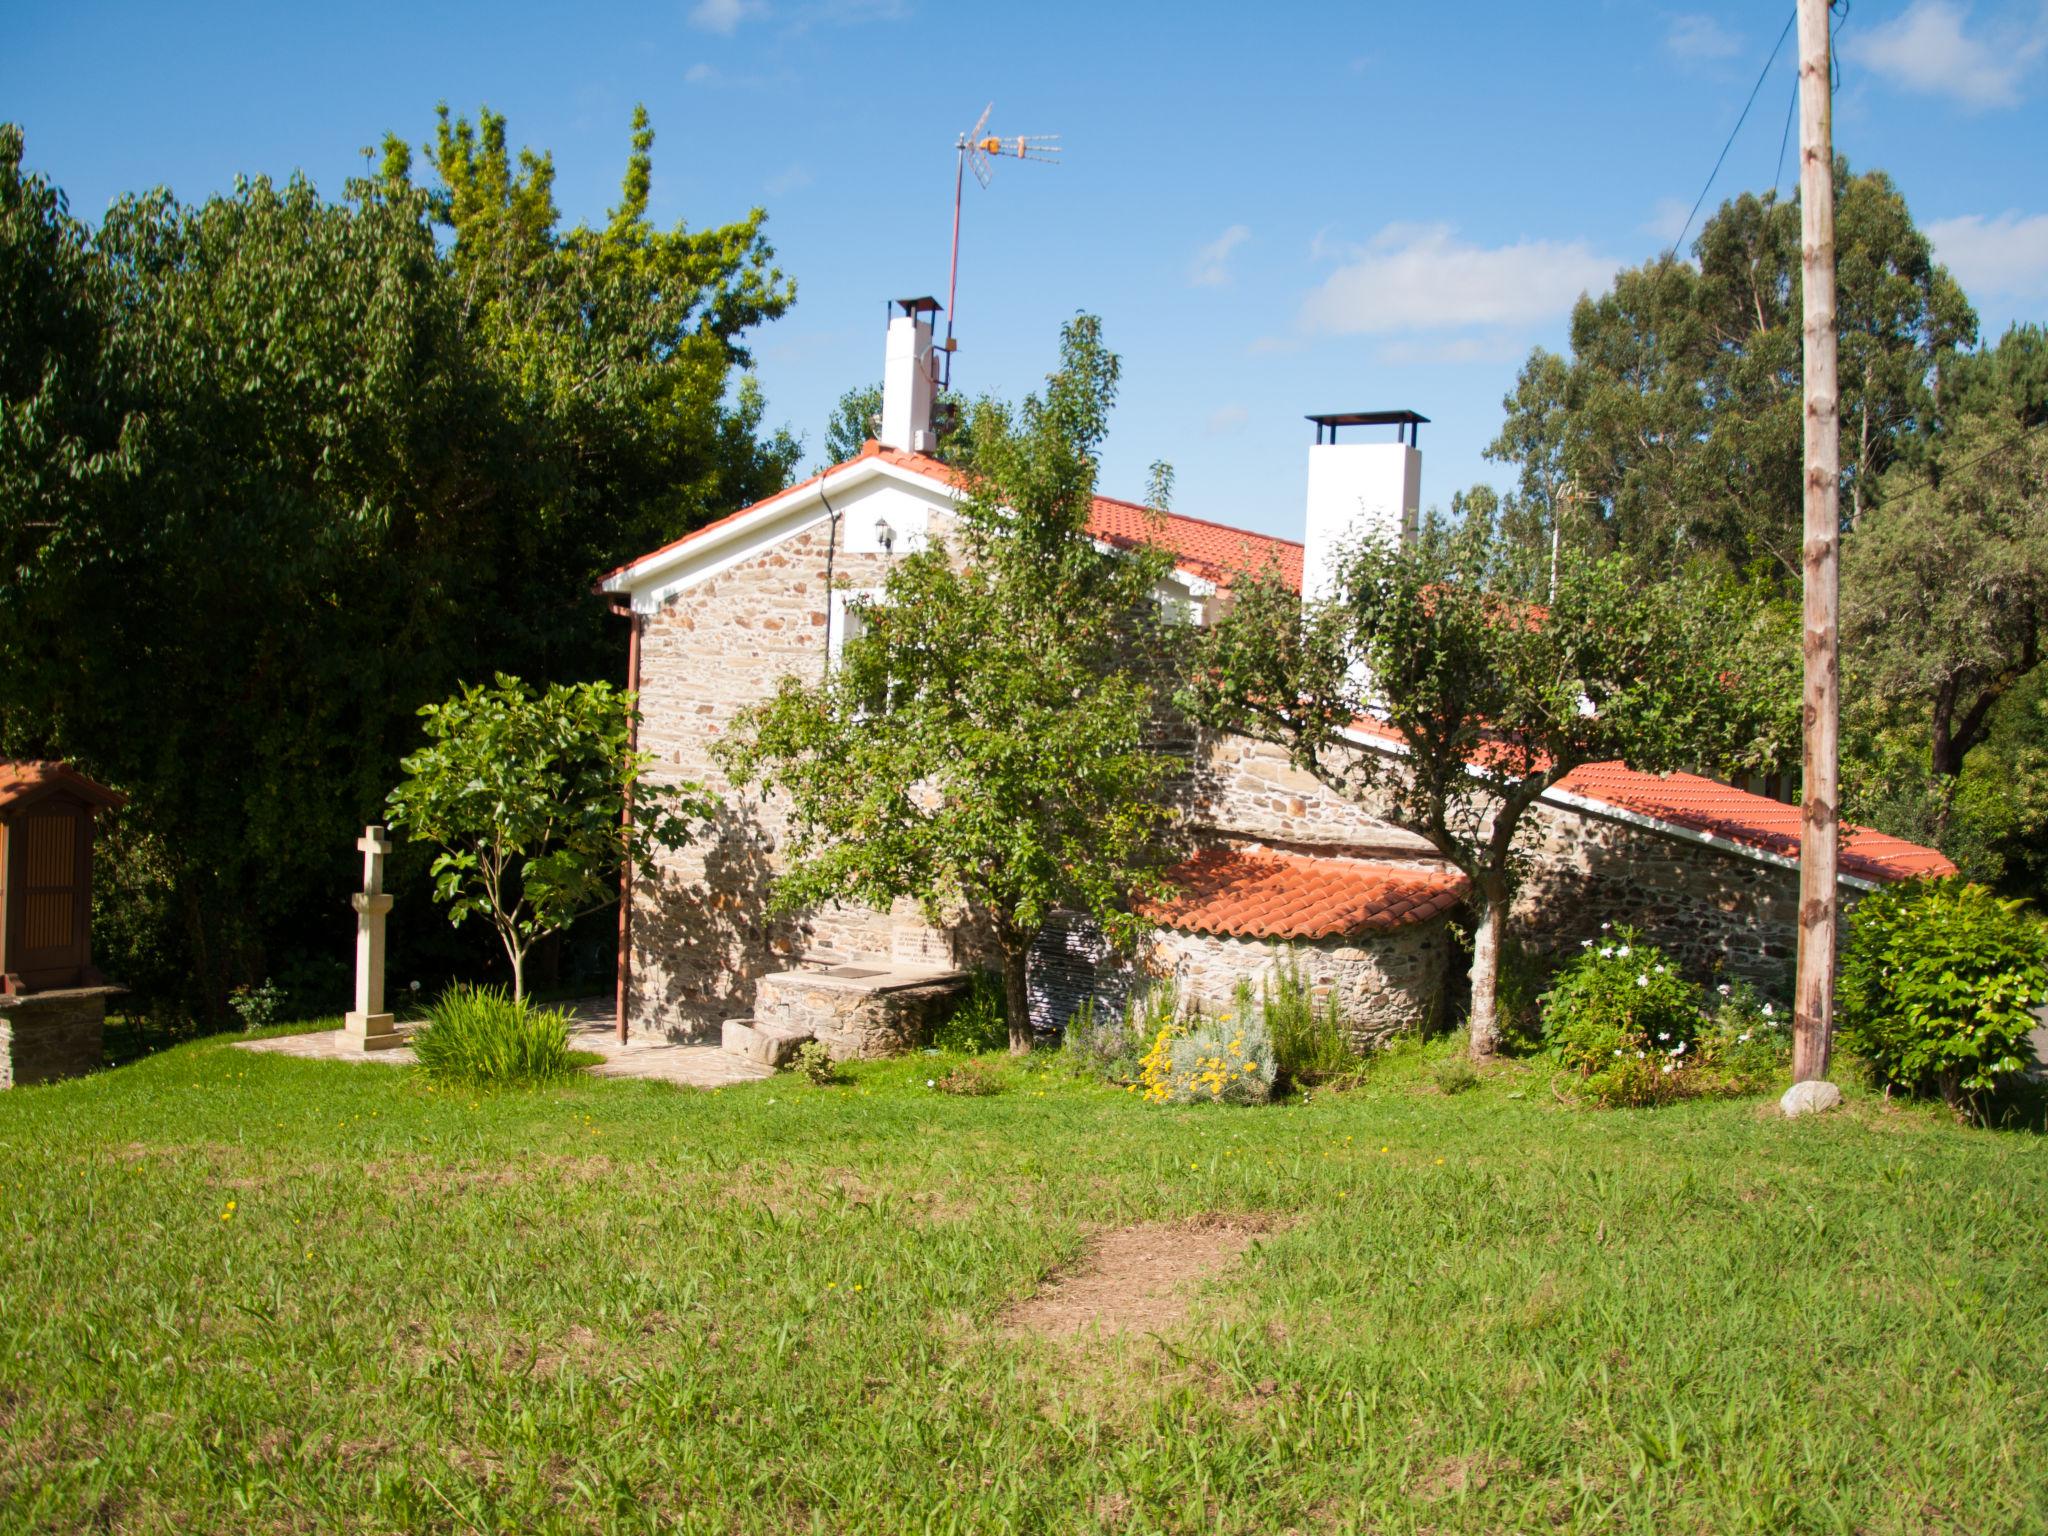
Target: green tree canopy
[1677,415]
[989,742]
[1492,700]
[523,794]
[275,471]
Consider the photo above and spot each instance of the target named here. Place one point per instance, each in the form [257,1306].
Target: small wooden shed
[47,812]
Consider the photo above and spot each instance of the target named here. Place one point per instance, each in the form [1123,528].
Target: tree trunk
[517,956]
[1486,952]
[1017,998]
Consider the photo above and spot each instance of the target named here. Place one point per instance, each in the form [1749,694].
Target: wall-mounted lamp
[885,536]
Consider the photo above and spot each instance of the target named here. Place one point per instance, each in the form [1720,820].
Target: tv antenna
[980,151]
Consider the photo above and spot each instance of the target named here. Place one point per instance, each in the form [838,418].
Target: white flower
[1679,1049]
[1623,951]
[1605,926]
[930,1083]
[1585,943]
[1660,970]
[1722,989]
[1667,1066]
[1642,981]
[1664,1035]
[1767,1010]
[1617,1050]
[1743,1038]
[1640,1055]
[1606,950]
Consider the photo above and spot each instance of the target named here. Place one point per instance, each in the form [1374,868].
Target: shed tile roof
[1267,893]
[1707,805]
[25,779]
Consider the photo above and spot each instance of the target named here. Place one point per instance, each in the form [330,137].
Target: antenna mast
[979,150]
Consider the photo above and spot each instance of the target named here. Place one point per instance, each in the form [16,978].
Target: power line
[1934,479]
[1762,75]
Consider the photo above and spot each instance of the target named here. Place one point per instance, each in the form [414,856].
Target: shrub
[1621,1016]
[1455,1075]
[1200,1060]
[971,1079]
[1937,986]
[981,1022]
[1745,1045]
[815,1062]
[482,1036]
[1309,1043]
[257,1005]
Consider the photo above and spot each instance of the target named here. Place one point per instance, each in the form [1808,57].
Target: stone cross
[368,1027]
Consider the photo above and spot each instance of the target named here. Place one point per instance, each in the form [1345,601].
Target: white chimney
[1358,491]
[907,378]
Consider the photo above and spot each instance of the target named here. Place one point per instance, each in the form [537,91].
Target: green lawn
[243,1292]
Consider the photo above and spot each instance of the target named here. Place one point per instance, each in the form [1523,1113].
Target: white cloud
[791,180]
[1421,277]
[699,74]
[1494,347]
[1699,36]
[2004,255]
[1211,268]
[724,16]
[1927,50]
[1226,419]
[1667,221]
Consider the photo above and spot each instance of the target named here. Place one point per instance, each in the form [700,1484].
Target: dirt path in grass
[1133,1279]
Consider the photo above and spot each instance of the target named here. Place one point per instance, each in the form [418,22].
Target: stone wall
[1250,788]
[45,1036]
[856,1020]
[1718,913]
[702,935]
[1385,982]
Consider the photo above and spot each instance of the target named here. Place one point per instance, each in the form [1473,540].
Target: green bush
[258,1005]
[1109,1045]
[479,1035]
[1454,1075]
[1938,983]
[981,1022]
[815,1062]
[1310,1045]
[1201,1060]
[1745,1045]
[1621,1017]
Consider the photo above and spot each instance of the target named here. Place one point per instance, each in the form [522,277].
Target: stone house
[1286,868]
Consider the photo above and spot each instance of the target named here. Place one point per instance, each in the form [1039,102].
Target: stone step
[770,1044]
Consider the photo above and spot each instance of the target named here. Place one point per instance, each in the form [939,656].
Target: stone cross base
[370,1031]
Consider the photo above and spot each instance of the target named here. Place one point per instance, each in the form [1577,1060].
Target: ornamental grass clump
[1621,1017]
[1199,1060]
[482,1036]
[1939,983]
[1310,1045]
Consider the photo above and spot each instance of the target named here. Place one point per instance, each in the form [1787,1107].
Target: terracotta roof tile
[1266,893]
[1706,805]
[24,779]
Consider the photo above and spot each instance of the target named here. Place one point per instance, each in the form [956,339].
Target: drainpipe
[632,619]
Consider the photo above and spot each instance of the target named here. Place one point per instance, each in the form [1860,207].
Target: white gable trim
[653,579]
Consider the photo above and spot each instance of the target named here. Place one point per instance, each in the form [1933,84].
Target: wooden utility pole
[1813,1007]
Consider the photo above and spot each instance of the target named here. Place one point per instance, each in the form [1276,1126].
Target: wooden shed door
[50,944]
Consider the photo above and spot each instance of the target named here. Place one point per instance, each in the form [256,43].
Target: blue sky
[1277,209]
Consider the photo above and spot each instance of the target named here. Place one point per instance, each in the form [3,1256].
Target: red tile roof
[1265,893]
[1706,805]
[1209,550]
[25,780]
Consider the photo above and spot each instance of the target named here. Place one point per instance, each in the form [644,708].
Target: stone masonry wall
[701,933]
[1385,982]
[45,1036]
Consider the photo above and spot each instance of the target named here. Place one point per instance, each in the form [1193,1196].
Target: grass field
[244,1292]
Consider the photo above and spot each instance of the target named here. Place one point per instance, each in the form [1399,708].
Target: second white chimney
[907,378]
[1358,491]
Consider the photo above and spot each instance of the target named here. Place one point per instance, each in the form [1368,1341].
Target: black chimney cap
[1408,421]
[923,306]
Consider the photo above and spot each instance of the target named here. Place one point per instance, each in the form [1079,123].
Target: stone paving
[690,1064]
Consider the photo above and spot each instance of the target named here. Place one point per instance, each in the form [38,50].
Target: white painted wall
[1356,491]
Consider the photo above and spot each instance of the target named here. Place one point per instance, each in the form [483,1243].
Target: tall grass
[480,1035]
[1310,1044]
